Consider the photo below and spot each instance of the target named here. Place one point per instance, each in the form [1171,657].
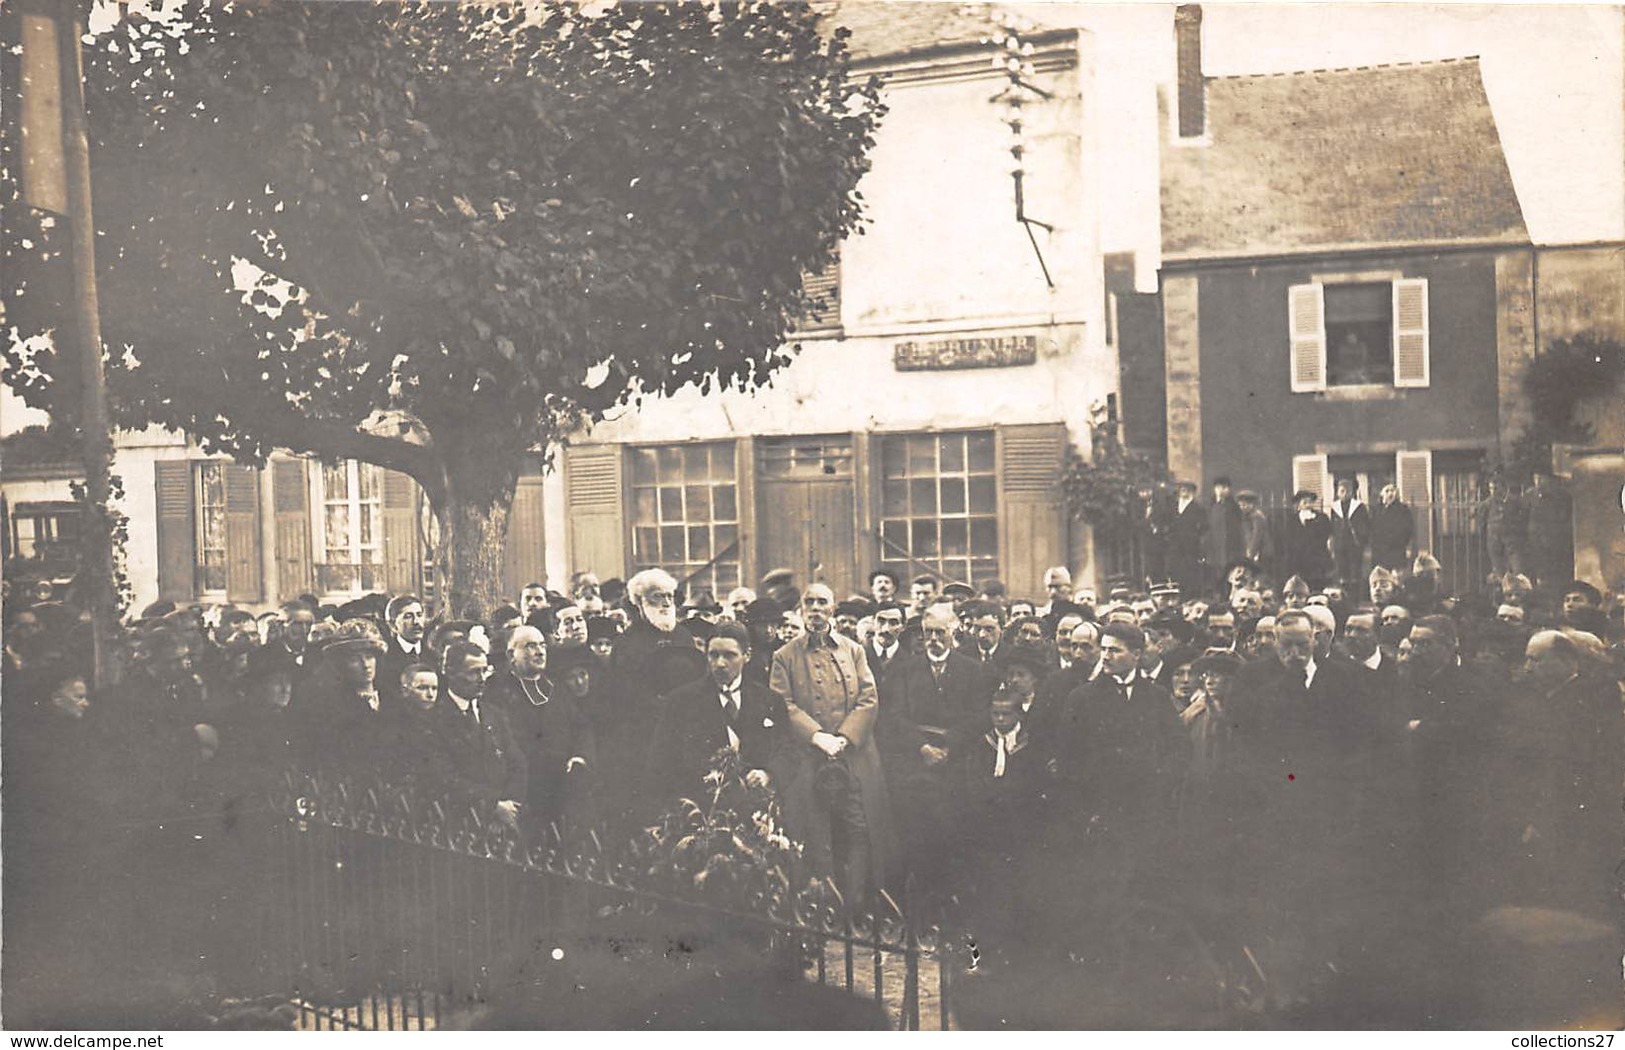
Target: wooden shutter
[400,554]
[1414,473]
[593,496]
[1307,307]
[525,557]
[177,536]
[243,579]
[1032,519]
[1310,473]
[290,501]
[823,289]
[1411,333]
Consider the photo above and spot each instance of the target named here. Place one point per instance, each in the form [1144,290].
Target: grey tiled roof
[892,27]
[1339,158]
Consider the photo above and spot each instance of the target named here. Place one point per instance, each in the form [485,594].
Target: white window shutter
[1310,473]
[1411,333]
[1414,471]
[1307,307]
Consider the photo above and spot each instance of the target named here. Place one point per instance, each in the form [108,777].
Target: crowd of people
[1351,778]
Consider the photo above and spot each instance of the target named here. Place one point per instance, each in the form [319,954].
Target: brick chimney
[1188,53]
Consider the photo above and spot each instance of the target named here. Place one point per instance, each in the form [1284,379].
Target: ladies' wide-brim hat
[355,635]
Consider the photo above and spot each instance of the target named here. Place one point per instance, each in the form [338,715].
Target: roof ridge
[1459,59]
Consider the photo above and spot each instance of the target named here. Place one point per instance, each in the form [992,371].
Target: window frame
[988,564]
[1308,342]
[320,563]
[722,471]
[200,519]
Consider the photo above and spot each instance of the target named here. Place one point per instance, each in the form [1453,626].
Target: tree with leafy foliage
[483,224]
[1555,385]
[1104,489]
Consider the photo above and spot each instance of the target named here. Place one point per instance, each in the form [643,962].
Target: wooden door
[807,509]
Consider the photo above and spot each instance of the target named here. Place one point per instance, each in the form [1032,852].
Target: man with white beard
[652,657]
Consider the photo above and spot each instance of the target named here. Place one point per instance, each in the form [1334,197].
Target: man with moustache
[653,656]
[885,644]
[925,701]
[407,625]
[835,791]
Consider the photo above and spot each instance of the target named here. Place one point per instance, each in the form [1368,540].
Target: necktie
[1000,752]
[730,707]
[936,669]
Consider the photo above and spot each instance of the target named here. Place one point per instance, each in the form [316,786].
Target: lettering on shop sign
[975,352]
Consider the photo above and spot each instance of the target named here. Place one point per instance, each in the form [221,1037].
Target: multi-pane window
[211,527]
[46,532]
[349,528]
[685,514]
[1359,334]
[939,507]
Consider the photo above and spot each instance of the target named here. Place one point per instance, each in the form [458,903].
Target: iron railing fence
[1450,530]
[380,909]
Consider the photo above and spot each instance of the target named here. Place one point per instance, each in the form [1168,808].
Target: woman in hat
[341,721]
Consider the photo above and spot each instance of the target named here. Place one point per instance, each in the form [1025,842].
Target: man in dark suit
[1120,737]
[484,763]
[1306,543]
[725,709]
[1321,812]
[984,637]
[1187,536]
[407,625]
[1120,758]
[885,644]
[925,701]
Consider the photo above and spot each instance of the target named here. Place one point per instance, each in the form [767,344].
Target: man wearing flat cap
[1257,544]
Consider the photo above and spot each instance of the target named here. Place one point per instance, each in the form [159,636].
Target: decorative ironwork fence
[383,910]
[1450,530]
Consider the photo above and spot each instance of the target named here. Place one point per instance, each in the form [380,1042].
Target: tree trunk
[469,556]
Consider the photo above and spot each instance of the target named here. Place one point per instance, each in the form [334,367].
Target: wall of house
[1251,424]
[942,259]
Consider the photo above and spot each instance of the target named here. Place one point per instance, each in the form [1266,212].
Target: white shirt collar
[1374,661]
[731,690]
[1309,673]
[462,705]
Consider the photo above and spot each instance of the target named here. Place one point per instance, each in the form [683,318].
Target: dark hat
[1180,656]
[1582,587]
[1247,496]
[355,634]
[602,627]
[957,589]
[777,578]
[1222,479]
[561,660]
[1304,494]
[1224,661]
[1171,621]
[853,608]
[612,590]
[1184,483]
[763,612]
[1061,608]
[1032,660]
[158,610]
[700,628]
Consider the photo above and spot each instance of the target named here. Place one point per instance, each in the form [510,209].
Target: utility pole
[56,178]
